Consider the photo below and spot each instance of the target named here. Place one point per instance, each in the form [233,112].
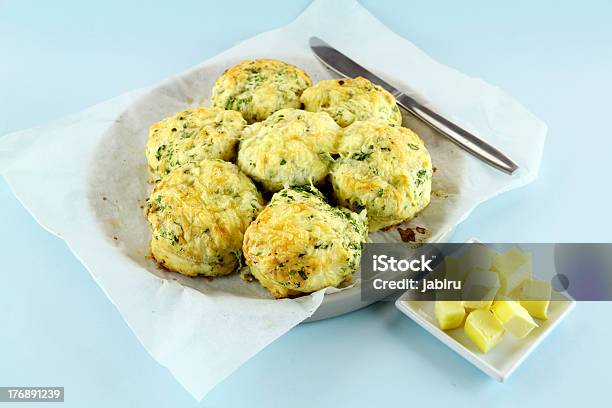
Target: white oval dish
[125,188]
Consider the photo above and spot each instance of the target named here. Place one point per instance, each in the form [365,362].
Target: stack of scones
[283,175]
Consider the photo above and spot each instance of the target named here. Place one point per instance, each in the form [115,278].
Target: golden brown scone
[349,100]
[198,214]
[258,88]
[386,170]
[299,243]
[191,136]
[291,147]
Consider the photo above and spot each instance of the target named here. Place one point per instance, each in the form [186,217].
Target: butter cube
[448,294]
[480,288]
[449,313]
[477,304]
[454,270]
[514,317]
[483,329]
[535,297]
[513,267]
[475,256]
[514,295]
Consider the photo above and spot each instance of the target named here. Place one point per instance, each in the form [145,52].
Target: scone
[349,100]
[386,170]
[258,88]
[191,136]
[198,214]
[299,243]
[291,147]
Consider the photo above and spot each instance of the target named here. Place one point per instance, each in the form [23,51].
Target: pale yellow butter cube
[483,329]
[449,313]
[514,317]
[535,297]
[474,256]
[514,295]
[480,288]
[477,256]
[454,270]
[439,273]
[448,294]
[513,267]
[477,304]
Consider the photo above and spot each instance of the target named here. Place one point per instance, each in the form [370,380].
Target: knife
[346,67]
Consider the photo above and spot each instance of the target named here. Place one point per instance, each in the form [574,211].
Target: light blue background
[57,327]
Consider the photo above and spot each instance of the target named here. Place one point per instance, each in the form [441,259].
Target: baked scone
[191,136]
[349,100]
[386,170]
[291,147]
[258,88]
[198,214]
[299,243]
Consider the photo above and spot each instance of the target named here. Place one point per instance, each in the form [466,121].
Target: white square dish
[501,361]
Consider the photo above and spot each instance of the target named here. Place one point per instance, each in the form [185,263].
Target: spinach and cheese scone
[198,214]
[192,136]
[299,243]
[291,147]
[386,170]
[349,100]
[258,88]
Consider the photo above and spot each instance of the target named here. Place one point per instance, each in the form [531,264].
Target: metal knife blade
[346,67]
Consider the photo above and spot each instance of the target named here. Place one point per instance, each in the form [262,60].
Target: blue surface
[57,327]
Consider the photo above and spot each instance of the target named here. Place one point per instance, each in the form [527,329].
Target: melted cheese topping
[291,147]
[300,244]
[386,170]
[259,88]
[349,100]
[192,136]
[198,214]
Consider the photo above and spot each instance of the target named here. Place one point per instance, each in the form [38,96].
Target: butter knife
[346,67]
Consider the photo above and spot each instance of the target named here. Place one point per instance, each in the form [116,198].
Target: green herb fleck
[322,245]
[230,102]
[242,103]
[238,255]
[361,156]
[421,177]
[159,152]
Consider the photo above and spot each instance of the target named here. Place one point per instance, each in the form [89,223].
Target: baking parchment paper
[84,179]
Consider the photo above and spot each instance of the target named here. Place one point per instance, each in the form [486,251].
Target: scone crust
[386,170]
[349,100]
[198,214]
[291,147]
[191,136]
[258,88]
[299,243]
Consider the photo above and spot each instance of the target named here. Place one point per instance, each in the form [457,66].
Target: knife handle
[459,136]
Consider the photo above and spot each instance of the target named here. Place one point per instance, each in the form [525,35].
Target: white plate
[501,361]
[121,149]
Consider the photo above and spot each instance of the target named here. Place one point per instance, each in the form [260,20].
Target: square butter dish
[501,361]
